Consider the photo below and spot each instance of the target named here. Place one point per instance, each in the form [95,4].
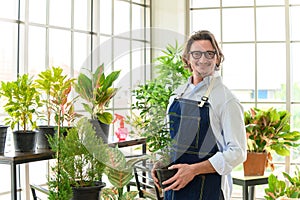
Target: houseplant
[83,159]
[22,101]
[80,163]
[286,189]
[119,172]
[55,89]
[267,131]
[152,98]
[97,90]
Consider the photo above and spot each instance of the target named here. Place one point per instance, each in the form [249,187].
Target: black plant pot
[63,130]
[24,141]
[3,133]
[42,136]
[164,174]
[90,193]
[102,130]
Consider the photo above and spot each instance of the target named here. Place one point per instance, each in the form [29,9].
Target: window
[261,63]
[75,34]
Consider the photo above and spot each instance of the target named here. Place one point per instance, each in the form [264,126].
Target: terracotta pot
[255,164]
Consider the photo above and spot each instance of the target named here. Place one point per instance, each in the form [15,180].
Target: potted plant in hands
[267,131]
[22,103]
[162,165]
[96,89]
[80,164]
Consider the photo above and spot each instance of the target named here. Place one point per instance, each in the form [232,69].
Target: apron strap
[204,98]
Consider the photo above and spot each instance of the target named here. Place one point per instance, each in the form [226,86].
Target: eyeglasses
[207,54]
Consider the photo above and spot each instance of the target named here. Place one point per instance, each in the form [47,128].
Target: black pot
[3,133]
[42,136]
[24,141]
[63,130]
[164,174]
[90,193]
[102,130]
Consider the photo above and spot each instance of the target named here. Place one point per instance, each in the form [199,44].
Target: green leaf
[105,117]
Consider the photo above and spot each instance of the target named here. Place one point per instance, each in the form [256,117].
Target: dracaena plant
[269,130]
[97,90]
[22,101]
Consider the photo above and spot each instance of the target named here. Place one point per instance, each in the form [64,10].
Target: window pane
[9,9]
[81,51]
[295,71]
[200,21]
[105,22]
[294,22]
[59,55]
[122,18]
[82,14]
[294,1]
[205,3]
[5,185]
[37,11]
[268,2]
[147,2]
[242,84]
[60,13]
[139,64]
[271,72]
[138,22]
[122,62]
[245,32]
[8,51]
[36,49]
[267,29]
[237,3]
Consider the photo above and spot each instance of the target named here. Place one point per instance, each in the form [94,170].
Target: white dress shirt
[227,123]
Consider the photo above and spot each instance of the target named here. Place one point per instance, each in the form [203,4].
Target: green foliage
[57,88]
[119,171]
[278,188]
[81,159]
[152,98]
[113,194]
[22,102]
[270,130]
[97,90]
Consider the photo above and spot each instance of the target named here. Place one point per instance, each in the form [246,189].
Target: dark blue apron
[194,142]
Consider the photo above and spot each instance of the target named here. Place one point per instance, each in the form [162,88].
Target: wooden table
[249,183]
[15,158]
